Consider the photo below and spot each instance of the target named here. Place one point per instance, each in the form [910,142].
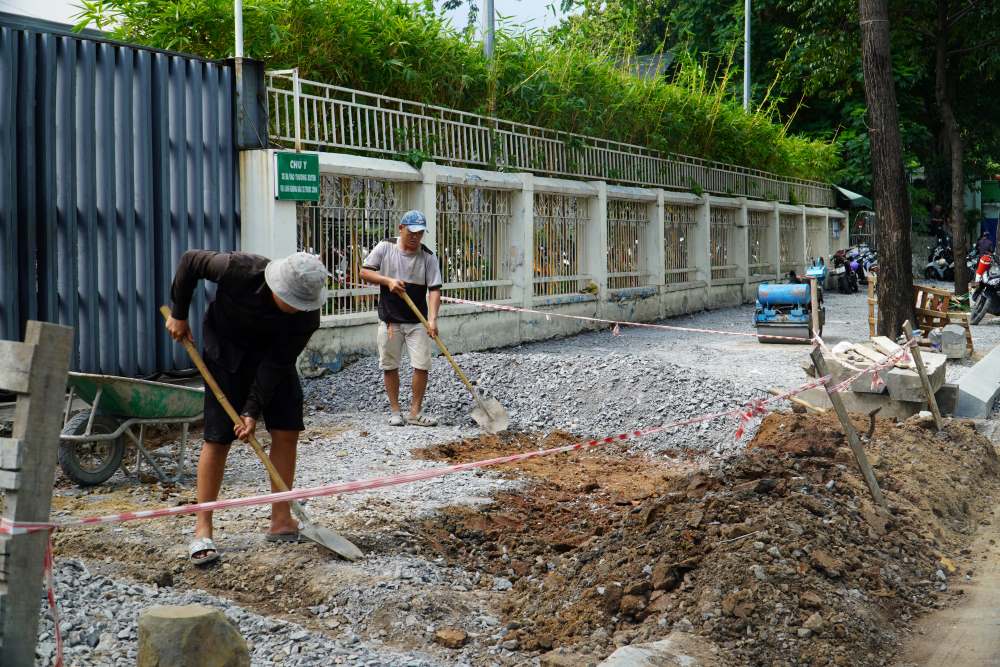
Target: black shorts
[283,413]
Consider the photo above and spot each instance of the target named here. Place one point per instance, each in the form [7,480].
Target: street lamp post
[489,28]
[238,17]
[746,55]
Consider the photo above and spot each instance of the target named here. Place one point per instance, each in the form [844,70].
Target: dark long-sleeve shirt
[243,324]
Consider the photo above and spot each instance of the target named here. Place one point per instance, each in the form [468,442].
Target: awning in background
[852,199]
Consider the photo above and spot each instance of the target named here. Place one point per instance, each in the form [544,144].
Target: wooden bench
[932,307]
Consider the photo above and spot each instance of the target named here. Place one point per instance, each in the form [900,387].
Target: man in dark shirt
[399,266]
[259,322]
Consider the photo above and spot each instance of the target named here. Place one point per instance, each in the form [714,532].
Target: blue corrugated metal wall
[114,160]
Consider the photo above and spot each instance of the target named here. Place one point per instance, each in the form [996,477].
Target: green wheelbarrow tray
[130,398]
[93,441]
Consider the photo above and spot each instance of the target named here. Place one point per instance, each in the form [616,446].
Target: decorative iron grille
[815,234]
[473,242]
[759,260]
[560,238]
[679,222]
[350,218]
[790,242]
[627,222]
[722,237]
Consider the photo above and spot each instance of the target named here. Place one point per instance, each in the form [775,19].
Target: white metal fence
[560,240]
[722,240]
[815,235]
[679,223]
[350,218]
[627,222]
[322,117]
[473,242]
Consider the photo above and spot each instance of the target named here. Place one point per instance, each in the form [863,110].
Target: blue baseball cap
[414,221]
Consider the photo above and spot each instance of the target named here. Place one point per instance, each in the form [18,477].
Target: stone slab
[979,386]
[864,403]
[905,385]
[678,649]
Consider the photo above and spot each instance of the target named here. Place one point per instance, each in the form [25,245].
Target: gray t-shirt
[420,271]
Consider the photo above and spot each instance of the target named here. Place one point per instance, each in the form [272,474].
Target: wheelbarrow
[93,442]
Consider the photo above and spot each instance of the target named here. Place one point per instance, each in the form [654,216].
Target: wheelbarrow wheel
[93,462]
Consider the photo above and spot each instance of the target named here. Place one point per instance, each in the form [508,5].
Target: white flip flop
[203,545]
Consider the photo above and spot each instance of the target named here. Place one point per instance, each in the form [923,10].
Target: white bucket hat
[299,280]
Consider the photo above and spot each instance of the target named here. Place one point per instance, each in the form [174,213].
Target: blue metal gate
[114,160]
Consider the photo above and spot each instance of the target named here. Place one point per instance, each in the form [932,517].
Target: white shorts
[390,346]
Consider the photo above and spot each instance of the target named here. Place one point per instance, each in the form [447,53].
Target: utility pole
[746,55]
[489,28]
[238,17]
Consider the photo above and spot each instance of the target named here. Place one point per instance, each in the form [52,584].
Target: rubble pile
[777,556]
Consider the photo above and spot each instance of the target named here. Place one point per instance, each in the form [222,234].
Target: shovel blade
[490,415]
[330,540]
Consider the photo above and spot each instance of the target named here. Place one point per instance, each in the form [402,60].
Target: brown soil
[778,556]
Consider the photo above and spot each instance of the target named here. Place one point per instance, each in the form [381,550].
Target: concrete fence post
[424,199]
[522,242]
[775,238]
[655,255]
[803,245]
[268,227]
[597,248]
[741,246]
[701,241]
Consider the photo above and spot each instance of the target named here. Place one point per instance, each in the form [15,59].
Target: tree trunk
[892,203]
[944,92]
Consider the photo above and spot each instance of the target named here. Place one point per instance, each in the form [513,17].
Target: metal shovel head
[490,415]
[328,539]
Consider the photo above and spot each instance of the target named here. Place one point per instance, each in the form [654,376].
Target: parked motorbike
[986,297]
[845,276]
[940,262]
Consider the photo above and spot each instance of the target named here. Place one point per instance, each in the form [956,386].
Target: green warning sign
[296,176]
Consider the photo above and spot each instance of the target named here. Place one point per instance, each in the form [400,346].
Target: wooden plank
[814,298]
[15,366]
[928,391]
[869,353]
[37,423]
[798,401]
[852,436]
[10,454]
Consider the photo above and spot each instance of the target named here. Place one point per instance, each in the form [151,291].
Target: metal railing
[790,242]
[318,116]
[759,260]
[560,237]
[627,221]
[473,242]
[679,222]
[350,218]
[722,233]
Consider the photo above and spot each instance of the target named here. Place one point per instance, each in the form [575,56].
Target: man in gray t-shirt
[397,266]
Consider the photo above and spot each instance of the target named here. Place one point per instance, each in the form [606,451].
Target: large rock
[678,649]
[905,385]
[189,636]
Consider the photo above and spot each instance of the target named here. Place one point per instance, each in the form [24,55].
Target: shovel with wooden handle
[324,537]
[488,413]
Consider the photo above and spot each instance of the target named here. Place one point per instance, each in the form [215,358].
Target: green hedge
[408,50]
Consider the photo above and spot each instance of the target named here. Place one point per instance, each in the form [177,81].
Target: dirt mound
[777,555]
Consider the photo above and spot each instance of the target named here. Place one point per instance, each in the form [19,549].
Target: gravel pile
[583,393]
[99,624]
